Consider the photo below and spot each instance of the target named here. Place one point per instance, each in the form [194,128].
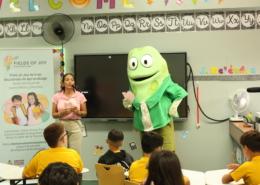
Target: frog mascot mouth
[153,96]
[143,78]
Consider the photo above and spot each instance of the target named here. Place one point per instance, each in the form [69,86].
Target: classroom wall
[206,148]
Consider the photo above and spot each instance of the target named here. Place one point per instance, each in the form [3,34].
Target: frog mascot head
[153,96]
[146,71]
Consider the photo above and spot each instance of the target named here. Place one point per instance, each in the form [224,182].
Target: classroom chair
[110,174]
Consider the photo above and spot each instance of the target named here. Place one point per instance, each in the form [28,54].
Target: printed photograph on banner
[187,22]
[173,22]
[25,101]
[10,29]
[36,27]
[232,20]
[129,24]
[248,20]
[217,21]
[258,19]
[87,25]
[143,23]
[202,21]
[2,32]
[115,24]
[26,109]
[24,28]
[158,23]
[101,25]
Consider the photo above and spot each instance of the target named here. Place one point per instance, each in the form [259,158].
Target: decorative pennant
[220,1]
[206,1]
[14,6]
[179,2]
[195,1]
[128,4]
[79,3]
[1,3]
[33,7]
[55,5]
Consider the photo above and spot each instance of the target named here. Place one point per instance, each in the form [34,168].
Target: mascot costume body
[154,97]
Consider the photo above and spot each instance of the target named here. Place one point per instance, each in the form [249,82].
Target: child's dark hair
[52,134]
[59,173]
[164,169]
[16,97]
[37,102]
[251,139]
[63,79]
[150,141]
[115,135]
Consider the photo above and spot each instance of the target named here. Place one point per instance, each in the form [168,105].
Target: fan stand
[236,118]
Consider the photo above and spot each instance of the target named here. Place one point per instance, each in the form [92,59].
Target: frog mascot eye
[132,64]
[153,96]
[147,61]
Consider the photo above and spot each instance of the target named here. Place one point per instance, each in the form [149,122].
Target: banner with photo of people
[27,86]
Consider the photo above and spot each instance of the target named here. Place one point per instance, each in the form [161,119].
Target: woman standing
[69,105]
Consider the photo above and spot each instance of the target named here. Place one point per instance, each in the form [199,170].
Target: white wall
[206,148]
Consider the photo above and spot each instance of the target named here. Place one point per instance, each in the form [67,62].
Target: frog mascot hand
[154,97]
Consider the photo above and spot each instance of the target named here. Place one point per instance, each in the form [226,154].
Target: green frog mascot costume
[154,97]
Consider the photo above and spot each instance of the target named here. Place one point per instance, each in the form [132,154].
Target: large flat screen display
[102,78]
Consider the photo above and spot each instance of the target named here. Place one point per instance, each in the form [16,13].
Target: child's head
[17,100]
[151,141]
[54,134]
[115,138]
[164,169]
[32,99]
[251,143]
[59,173]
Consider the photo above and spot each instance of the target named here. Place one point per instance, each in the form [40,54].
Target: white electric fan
[239,103]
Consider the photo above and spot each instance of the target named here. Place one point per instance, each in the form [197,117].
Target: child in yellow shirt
[248,171]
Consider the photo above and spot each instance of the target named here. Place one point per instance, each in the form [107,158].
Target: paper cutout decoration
[79,3]
[32,6]
[128,4]
[179,2]
[14,6]
[112,3]
[149,2]
[1,3]
[220,1]
[166,2]
[55,5]
[195,1]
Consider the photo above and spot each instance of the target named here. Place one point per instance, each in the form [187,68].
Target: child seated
[248,171]
[150,142]
[164,169]
[115,155]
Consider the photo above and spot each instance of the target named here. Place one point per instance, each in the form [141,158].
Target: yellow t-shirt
[43,158]
[138,171]
[249,171]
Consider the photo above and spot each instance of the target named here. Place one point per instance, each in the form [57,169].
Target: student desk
[236,129]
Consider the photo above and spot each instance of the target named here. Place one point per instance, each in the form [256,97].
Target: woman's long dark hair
[164,169]
[37,102]
[62,88]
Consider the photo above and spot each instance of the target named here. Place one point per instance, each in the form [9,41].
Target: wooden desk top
[242,126]
[237,129]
